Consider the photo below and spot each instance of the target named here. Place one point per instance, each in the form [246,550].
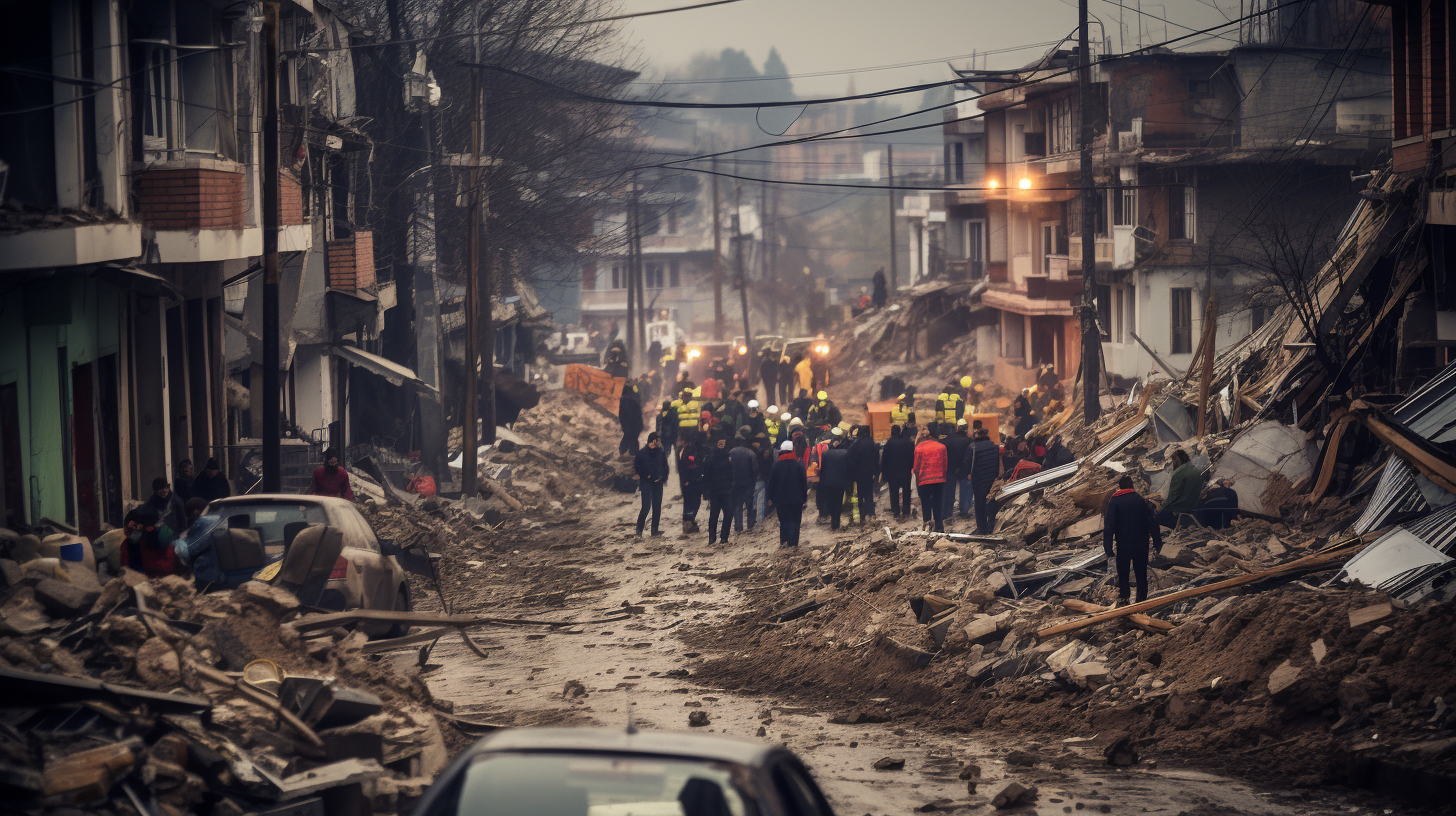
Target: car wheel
[401,604]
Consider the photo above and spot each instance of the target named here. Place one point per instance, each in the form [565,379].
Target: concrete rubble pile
[143,696]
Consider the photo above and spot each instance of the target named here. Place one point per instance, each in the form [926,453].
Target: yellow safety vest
[899,415]
[773,430]
[948,410]
[688,414]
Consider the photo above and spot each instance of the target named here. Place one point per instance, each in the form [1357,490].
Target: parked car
[614,772]
[249,536]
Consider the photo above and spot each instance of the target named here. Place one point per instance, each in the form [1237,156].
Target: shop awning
[388,369]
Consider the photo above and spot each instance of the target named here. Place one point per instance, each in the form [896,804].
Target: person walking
[1127,525]
[763,453]
[690,480]
[788,489]
[629,414]
[864,467]
[651,466]
[718,484]
[929,467]
[745,474]
[956,446]
[834,477]
[896,463]
[982,466]
[331,480]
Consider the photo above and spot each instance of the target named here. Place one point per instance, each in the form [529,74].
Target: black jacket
[1129,522]
[745,467]
[211,487]
[956,446]
[982,462]
[864,460]
[690,465]
[171,510]
[788,484]
[629,412]
[718,472]
[1056,456]
[898,458]
[757,424]
[667,427]
[834,468]
[651,464]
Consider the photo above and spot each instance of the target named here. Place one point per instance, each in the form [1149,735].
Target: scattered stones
[573,689]
[1012,795]
[1022,759]
[889,764]
[64,600]
[698,719]
[1283,678]
[1121,753]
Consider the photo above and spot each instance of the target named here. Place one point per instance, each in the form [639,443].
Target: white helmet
[752,404]
[786,417]
[773,409]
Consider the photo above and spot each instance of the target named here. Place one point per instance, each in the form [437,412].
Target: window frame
[1180,326]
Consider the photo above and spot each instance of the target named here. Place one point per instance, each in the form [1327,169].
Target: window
[975,248]
[1116,330]
[1062,127]
[1104,311]
[1183,213]
[958,161]
[1127,207]
[1200,89]
[1181,323]
[1258,316]
[653,273]
[673,280]
[1053,243]
[619,276]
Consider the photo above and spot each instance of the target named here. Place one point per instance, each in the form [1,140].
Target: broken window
[1258,316]
[1183,213]
[1181,322]
[1062,128]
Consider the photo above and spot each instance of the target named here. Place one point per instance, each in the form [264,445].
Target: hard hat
[845,426]
[837,432]
[966,382]
[787,447]
[901,397]
[979,388]
[796,423]
[753,403]
[943,396]
[960,423]
[823,395]
[786,417]
[773,409]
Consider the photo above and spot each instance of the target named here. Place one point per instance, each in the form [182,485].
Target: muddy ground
[698,643]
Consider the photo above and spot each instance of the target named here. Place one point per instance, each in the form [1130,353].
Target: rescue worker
[930,467]
[896,461]
[823,413]
[901,412]
[756,422]
[772,427]
[1128,523]
[949,408]
[688,410]
[788,489]
[670,367]
[331,480]
[804,374]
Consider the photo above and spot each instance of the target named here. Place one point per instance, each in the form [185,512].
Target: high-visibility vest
[899,415]
[687,415]
[773,430]
[949,409]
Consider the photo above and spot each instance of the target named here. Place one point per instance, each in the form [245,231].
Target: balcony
[350,262]
[1117,251]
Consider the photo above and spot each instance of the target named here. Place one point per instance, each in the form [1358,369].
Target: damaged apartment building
[1221,175]
[131,231]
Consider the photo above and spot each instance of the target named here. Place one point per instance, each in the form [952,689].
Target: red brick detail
[350,262]
[1412,157]
[177,199]
[290,199]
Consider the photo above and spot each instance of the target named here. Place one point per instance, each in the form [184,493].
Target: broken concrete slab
[64,599]
[1283,678]
[1370,614]
[1319,651]
[1012,795]
[985,628]
[889,764]
[1256,454]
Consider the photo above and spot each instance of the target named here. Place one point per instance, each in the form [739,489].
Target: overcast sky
[817,36]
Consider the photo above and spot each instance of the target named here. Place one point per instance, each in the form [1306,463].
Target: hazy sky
[817,36]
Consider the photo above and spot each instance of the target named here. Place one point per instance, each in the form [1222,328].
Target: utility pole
[717,261]
[1091,337]
[630,270]
[738,257]
[894,273]
[771,246]
[640,353]
[469,447]
[272,455]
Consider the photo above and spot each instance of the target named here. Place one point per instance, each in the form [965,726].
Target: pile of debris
[142,695]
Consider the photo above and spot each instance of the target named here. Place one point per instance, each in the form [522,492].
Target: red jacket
[930,462]
[332,484]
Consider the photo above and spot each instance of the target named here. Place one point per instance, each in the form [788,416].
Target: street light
[1024,184]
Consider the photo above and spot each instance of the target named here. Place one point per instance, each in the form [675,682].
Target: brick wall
[190,198]
[351,262]
[1411,157]
[290,199]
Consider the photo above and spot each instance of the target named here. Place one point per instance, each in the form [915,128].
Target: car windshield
[601,785]
[270,519]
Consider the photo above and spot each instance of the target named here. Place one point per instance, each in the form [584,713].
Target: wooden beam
[1342,423]
[1326,556]
[1171,371]
[1205,380]
[1145,622]
[1434,463]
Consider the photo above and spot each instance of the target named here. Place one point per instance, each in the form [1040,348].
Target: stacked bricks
[351,262]
[290,199]
[190,198]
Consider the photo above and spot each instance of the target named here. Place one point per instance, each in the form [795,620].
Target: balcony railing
[1115,251]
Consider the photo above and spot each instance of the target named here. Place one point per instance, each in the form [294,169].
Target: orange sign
[601,387]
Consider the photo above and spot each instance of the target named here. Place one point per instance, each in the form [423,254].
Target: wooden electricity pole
[738,273]
[717,262]
[1091,337]
[272,422]
[894,270]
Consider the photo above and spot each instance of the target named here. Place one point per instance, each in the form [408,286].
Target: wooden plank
[1431,461]
[1205,380]
[1325,556]
[1146,622]
[1343,421]
[1171,371]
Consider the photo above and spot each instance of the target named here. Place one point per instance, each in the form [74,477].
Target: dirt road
[600,674]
